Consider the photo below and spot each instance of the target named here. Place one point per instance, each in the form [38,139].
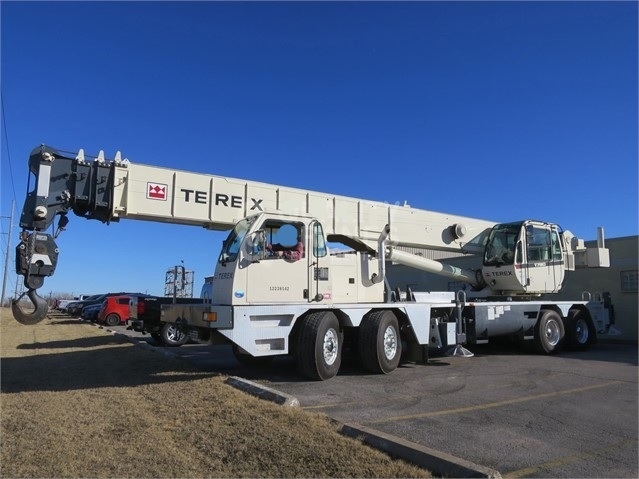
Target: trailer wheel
[112,319]
[580,331]
[172,336]
[380,345]
[246,359]
[549,332]
[319,346]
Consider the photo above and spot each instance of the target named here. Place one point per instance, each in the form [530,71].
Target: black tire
[112,320]
[319,346]
[172,336]
[246,359]
[549,332]
[580,330]
[380,345]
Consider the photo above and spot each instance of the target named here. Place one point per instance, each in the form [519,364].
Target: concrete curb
[439,463]
[263,392]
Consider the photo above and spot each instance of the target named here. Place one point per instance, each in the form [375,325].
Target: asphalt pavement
[503,411]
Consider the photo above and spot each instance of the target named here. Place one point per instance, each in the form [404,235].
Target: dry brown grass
[79,402]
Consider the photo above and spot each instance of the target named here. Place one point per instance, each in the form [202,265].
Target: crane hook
[37,315]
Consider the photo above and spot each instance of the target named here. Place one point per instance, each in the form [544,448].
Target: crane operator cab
[524,258]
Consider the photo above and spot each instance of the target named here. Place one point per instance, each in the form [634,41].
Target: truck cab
[258,265]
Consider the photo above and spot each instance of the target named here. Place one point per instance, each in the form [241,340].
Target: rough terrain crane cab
[531,257]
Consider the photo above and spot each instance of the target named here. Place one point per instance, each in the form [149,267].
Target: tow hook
[41,308]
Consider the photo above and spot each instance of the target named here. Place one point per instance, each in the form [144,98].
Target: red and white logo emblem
[156,191]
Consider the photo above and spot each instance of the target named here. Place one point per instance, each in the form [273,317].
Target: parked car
[114,310]
[146,317]
[90,313]
[75,308]
[61,304]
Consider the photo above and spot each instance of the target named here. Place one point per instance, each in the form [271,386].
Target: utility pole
[6,260]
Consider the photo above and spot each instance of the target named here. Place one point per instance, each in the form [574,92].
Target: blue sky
[495,110]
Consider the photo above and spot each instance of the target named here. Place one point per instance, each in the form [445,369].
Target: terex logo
[233,201]
[219,276]
[500,273]
[156,191]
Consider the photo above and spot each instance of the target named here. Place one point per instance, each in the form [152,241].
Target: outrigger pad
[461,351]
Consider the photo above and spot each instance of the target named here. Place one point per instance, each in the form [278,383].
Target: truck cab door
[277,276]
[544,259]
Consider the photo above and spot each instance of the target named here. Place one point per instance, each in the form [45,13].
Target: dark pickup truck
[145,317]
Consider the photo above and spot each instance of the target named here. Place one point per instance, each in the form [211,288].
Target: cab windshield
[500,248]
[231,245]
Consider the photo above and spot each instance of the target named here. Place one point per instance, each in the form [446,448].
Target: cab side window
[538,244]
[556,246]
[319,244]
[285,240]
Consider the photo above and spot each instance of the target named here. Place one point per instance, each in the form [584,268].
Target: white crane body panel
[280,288]
[215,202]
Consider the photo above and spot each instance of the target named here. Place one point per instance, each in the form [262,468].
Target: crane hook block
[41,308]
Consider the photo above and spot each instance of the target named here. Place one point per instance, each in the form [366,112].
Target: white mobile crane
[268,303]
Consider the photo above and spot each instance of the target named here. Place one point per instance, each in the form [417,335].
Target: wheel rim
[330,348]
[581,331]
[173,334]
[390,343]
[553,333]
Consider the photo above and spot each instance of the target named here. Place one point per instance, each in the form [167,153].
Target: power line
[6,265]
[7,281]
[6,140]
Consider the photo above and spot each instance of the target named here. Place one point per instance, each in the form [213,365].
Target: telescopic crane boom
[118,189]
